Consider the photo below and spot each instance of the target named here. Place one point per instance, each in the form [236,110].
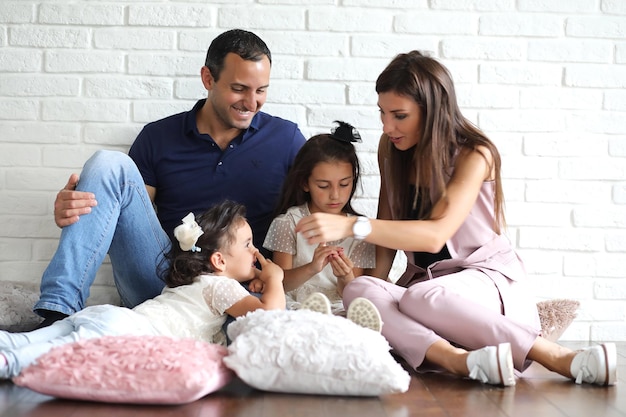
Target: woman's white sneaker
[492,365]
[596,365]
[316,302]
[364,313]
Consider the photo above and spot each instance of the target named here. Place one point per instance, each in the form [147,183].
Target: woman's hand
[325,227]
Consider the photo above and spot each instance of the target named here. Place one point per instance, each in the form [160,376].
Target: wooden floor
[537,393]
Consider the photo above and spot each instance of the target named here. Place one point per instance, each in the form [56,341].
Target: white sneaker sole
[505,364]
[316,302]
[610,363]
[364,313]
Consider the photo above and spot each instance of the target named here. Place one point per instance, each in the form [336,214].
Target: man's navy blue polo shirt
[191,173]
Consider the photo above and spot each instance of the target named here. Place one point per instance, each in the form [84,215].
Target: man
[224,148]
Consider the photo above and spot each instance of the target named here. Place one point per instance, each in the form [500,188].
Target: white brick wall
[545,79]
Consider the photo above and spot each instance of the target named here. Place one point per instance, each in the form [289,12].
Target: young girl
[323,179]
[203,286]
[462,303]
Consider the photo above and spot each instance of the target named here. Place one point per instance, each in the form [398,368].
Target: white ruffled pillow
[301,351]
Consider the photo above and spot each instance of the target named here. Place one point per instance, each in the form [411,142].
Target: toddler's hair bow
[188,233]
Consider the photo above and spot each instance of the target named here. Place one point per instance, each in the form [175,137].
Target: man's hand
[70,205]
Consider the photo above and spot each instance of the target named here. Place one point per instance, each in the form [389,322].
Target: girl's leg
[18,340]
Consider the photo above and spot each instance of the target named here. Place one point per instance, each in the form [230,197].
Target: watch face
[362,228]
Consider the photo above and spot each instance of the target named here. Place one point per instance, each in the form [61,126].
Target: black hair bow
[345,132]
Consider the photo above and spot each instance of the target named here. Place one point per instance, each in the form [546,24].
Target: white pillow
[301,351]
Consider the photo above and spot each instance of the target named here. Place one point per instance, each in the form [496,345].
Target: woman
[461,304]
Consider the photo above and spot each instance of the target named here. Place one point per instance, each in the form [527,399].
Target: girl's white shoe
[316,302]
[364,313]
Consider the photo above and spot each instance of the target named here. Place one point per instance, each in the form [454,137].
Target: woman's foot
[492,365]
[595,365]
[364,313]
[316,302]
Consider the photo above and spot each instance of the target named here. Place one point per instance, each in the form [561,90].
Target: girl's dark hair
[243,43]
[319,148]
[445,131]
[219,224]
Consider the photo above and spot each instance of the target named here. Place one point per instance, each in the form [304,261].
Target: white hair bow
[188,233]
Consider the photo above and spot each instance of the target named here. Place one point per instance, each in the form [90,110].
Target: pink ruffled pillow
[130,369]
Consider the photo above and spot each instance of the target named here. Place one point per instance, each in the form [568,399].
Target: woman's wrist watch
[361,228]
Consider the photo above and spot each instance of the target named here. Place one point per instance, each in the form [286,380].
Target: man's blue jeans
[123,224]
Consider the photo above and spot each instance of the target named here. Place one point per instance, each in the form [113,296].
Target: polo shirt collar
[192,129]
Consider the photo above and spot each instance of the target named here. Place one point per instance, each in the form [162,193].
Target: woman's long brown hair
[445,131]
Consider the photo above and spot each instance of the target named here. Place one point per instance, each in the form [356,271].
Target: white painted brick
[487,96]
[530,168]
[594,265]
[40,132]
[18,109]
[390,45]
[184,15]
[567,6]
[66,156]
[619,193]
[295,113]
[370,186]
[521,24]
[130,88]
[513,189]
[20,60]
[49,37]
[437,23]
[37,178]
[541,262]
[613,6]
[81,14]
[597,122]
[369,164]
[143,39]
[596,26]
[614,331]
[601,310]
[15,249]
[481,5]
[359,116]
[565,144]
[301,2]
[620,53]
[362,94]
[200,39]
[518,73]
[16,12]
[111,134]
[617,146]
[17,225]
[190,89]
[553,286]
[599,216]
[616,240]
[611,289]
[595,75]
[569,50]
[43,86]
[560,98]
[303,44]
[84,61]
[559,191]
[590,169]
[537,214]
[561,238]
[309,92]
[522,120]
[508,143]
[287,68]
[148,111]
[25,203]
[43,249]
[166,64]
[270,17]
[412,4]
[81,110]
[461,71]
[350,20]
[354,69]
[615,100]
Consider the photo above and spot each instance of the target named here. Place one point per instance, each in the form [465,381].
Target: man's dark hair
[241,42]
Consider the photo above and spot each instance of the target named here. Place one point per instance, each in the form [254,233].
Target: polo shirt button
[231,146]
[219,163]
